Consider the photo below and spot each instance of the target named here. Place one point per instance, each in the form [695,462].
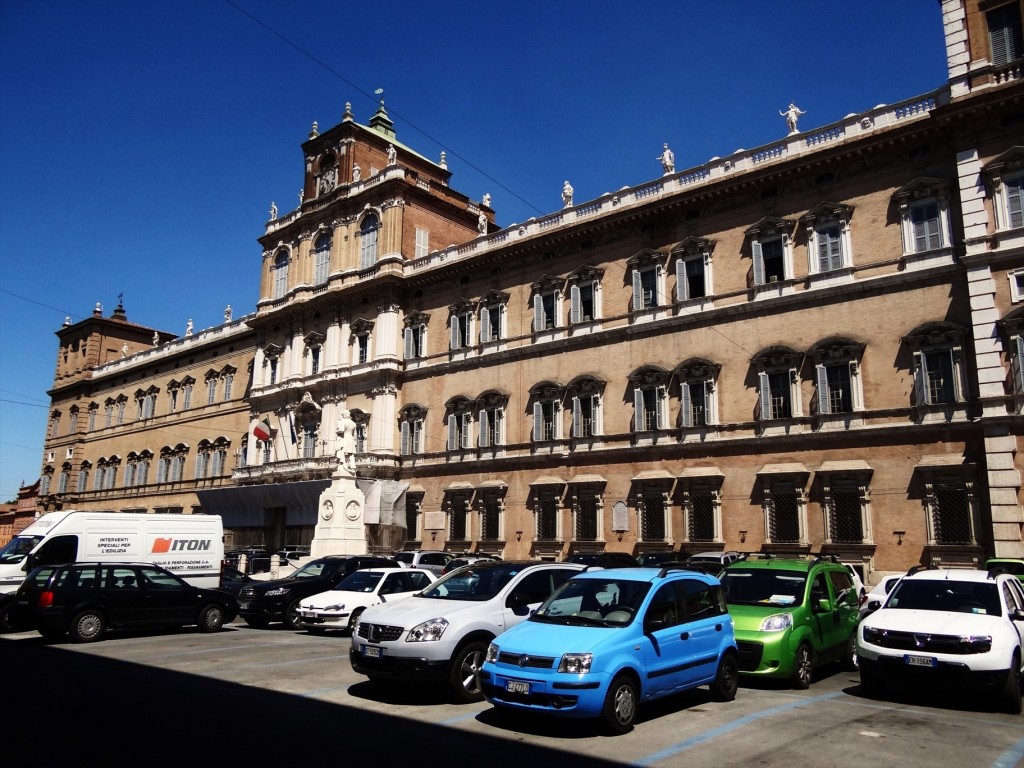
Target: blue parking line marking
[1011,757]
[682,746]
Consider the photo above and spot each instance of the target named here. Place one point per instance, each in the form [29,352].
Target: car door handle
[684,636]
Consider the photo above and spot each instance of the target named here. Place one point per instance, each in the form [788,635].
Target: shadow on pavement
[67,708]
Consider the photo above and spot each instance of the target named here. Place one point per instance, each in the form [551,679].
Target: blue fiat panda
[607,640]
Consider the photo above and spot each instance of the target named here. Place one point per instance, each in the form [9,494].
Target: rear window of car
[404,557]
[79,578]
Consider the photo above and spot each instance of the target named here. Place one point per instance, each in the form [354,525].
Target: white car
[341,607]
[441,634]
[956,627]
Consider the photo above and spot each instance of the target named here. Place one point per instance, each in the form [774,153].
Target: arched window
[322,258]
[280,272]
[368,241]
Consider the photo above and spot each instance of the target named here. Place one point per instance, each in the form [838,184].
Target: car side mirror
[518,602]
[31,561]
[874,605]
[824,605]
[1018,614]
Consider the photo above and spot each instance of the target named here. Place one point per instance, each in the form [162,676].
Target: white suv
[441,634]
[958,627]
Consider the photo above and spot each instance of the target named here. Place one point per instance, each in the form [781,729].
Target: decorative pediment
[921,188]
[826,211]
[778,357]
[770,226]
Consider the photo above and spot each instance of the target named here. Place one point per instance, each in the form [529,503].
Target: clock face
[327,510]
[352,510]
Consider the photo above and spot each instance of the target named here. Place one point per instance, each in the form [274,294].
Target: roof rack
[918,568]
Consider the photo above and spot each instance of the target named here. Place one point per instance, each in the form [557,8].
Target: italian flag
[262,429]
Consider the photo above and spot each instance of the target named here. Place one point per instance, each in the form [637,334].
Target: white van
[191,546]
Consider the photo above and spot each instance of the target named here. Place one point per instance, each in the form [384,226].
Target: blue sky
[141,143]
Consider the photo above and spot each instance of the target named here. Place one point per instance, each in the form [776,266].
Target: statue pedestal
[340,526]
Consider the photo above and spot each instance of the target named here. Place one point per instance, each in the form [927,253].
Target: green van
[792,615]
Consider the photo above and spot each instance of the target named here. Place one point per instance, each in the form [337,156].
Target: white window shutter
[455,332]
[1018,365]
[638,291]
[823,250]
[467,429]
[821,373]
[755,248]
[638,409]
[766,395]
[921,379]
[682,288]
[685,405]
[577,417]
[485,325]
[660,401]
[498,416]
[575,306]
[538,312]
[484,428]
[410,351]
[538,422]
[453,432]
[405,439]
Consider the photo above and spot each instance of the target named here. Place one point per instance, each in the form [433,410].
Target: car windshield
[593,602]
[313,570]
[946,595]
[16,549]
[472,583]
[763,586]
[360,581]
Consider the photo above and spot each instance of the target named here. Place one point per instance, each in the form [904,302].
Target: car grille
[525,661]
[750,655]
[923,642]
[247,593]
[379,633]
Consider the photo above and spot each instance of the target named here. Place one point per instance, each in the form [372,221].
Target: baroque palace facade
[813,346]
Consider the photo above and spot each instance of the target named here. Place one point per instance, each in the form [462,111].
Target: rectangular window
[120,412]
[652,516]
[148,406]
[172,401]
[701,519]
[1004,33]
[544,424]
[308,441]
[211,391]
[412,437]
[783,514]
[693,408]
[690,283]
[769,261]
[645,288]
[647,409]
[490,427]
[201,459]
[586,517]
[92,419]
[457,521]
[490,323]
[314,361]
[776,396]
[845,522]
[460,427]
[547,517]
[83,480]
[937,377]
[544,311]
[1015,202]
[62,483]
[413,341]
[422,243]
[583,416]
[583,308]
[490,519]
[188,397]
[271,365]
[951,512]
[108,415]
[835,392]
[362,348]
[830,248]
[461,330]
[927,227]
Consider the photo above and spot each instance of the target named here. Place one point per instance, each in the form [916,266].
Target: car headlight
[777,623]
[492,653]
[873,635]
[575,663]
[336,607]
[976,643]
[428,631]
[276,592]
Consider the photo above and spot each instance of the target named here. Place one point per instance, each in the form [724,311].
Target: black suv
[87,599]
[261,602]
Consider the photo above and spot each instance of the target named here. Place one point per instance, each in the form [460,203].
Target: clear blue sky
[141,143]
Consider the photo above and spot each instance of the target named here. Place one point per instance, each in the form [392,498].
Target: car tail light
[45,599]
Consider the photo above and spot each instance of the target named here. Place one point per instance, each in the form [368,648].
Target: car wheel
[1011,689]
[464,681]
[291,615]
[620,704]
[727,679]
[87,627]
[7,620]
[871,683]
[211,619]
[803,667]
[354,619]
[850,661]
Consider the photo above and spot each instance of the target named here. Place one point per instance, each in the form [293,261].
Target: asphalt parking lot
[269,697]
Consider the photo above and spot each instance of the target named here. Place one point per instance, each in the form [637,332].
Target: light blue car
[607,640]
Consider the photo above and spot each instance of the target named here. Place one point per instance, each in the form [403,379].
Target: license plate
[920,661]
[372,651]
[308,614]
[243,604]
[516,686]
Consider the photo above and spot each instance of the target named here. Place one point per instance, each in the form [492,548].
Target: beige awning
[587,480]
[702,472]
[941,460]
[793,468]
[654,474]
[548,480]
[493,484]
[458,486]
[853,465]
